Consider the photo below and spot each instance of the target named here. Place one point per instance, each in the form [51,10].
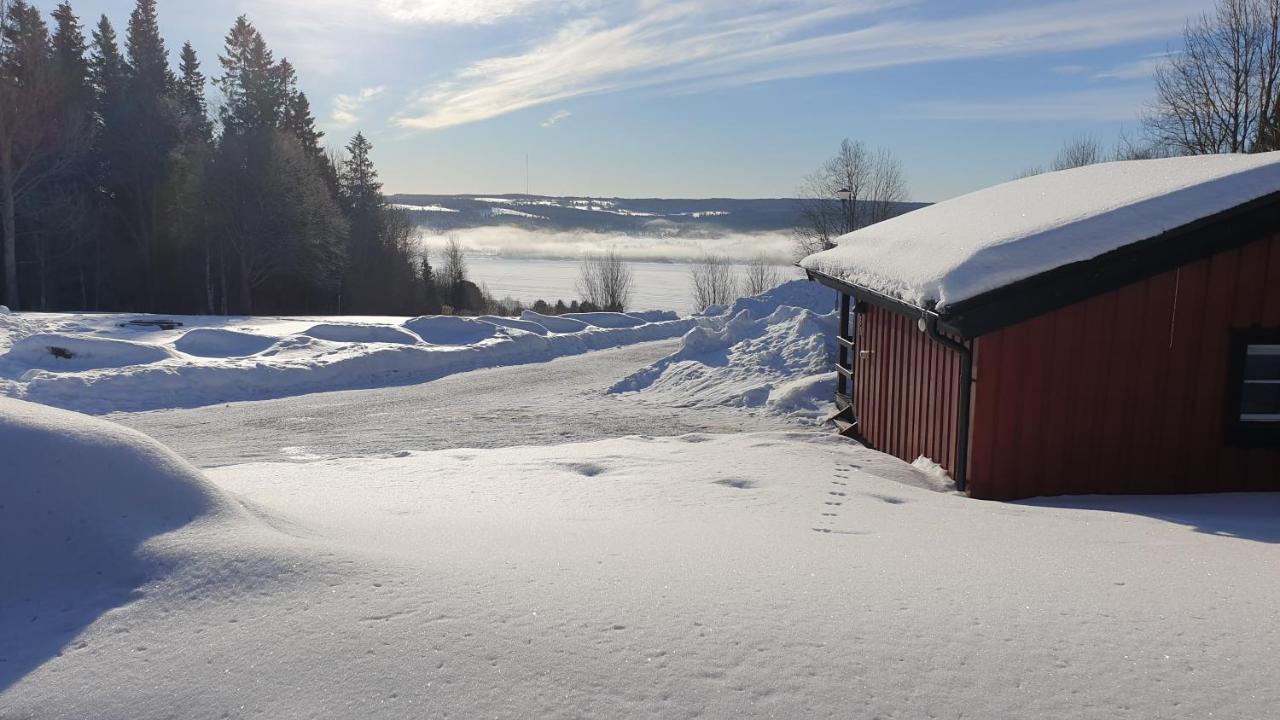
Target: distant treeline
[120,190]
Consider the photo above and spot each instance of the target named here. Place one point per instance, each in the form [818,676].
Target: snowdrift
[771,352]
[100,363]
[448,330]
[360,333]
[220,342]
[82,352]
[78,496]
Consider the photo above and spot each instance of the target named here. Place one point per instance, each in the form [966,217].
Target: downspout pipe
[930,323]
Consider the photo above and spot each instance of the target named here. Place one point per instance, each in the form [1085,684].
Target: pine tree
[62,209]
[358,179]
[137,154]
[28,143]
[193,111]
[253,87]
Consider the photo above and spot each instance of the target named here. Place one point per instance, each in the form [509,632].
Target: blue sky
[717,98]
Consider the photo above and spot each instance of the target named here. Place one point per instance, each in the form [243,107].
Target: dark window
[1254,408]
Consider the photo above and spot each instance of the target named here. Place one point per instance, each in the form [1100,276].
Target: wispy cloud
[698,45]
[346,108]
[1140,69]
[453,12]
[556,117]
[1118,103]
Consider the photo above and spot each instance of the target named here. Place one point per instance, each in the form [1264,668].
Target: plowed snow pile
[773,352]
[104,362]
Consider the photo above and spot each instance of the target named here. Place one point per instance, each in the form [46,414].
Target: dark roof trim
[867,295]
[1069,284]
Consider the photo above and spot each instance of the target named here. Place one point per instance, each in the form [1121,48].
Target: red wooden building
[1113,329]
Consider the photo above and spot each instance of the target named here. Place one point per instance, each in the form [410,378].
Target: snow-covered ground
[516,542]
[100,363]
[776,574]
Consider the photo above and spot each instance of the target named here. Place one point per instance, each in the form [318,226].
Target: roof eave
[1066,285]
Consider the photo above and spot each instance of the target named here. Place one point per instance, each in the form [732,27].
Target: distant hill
[632,216]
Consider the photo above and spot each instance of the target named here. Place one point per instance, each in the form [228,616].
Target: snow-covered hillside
[773,353]
[783,574]
[102,363]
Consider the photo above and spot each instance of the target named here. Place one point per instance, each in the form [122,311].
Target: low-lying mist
[523,243]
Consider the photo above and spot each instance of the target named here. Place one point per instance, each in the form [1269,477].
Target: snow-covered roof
[963,247]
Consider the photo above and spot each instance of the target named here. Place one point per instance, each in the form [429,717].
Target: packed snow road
[562,401]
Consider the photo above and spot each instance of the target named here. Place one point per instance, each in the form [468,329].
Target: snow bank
[359,333]
[605,319]
[772,352]
[654,315]
[83,352]
[4,310]
[969,245]
[221,343]
[554,323]
[525,325]
[216,360]
[448,330]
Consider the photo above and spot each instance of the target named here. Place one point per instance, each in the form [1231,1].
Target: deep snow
[759,574]
[771,353]
[97,363]
[963,247]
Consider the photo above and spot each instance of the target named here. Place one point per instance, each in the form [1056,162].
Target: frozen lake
[658,285]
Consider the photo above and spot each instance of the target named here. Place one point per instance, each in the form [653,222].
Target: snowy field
[653,530]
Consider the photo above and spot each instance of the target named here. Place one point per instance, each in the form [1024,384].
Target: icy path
[564,400]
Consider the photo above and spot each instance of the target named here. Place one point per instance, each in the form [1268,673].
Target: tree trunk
[246,290]
[9,226]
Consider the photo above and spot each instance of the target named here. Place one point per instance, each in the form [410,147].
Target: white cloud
[1141,69]
[453,12]
[556,117]
[346,108]
[693,45]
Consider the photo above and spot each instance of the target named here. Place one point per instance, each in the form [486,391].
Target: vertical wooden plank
[1176,442]
[1149,390]
[1060,363]
[986,392]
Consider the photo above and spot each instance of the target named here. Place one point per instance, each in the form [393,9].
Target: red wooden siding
[1124,392]
[906,389]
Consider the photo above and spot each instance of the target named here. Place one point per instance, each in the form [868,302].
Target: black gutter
[872,297]
[961,475]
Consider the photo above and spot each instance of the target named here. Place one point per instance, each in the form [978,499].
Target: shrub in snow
[359,333]
[54,351]
[220,342]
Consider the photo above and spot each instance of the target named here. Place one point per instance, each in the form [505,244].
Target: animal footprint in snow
[838,494]
[829,502]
